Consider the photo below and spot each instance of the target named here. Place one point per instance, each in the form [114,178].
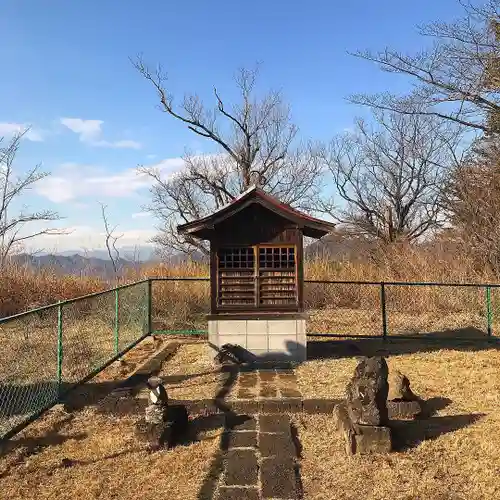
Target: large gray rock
[366,394]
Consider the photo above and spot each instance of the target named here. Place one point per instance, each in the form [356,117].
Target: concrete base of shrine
[278,337]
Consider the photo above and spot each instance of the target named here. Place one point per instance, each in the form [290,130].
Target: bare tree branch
[390,176]
[11,189]
[457,79]
[256,142]
[111,240]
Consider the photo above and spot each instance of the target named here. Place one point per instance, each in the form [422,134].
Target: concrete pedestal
[265,338]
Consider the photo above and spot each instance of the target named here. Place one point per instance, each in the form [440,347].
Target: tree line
[426,161]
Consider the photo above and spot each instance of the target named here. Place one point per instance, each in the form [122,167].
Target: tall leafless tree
[457,78]
[255,139]
[110,240]
[389,176]
[12,188]
[474,205]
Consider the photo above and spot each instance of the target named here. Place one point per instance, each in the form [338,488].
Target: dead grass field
[190,374]
[108,459]
[458,460]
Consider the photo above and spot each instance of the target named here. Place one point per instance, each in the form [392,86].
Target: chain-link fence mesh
[88,335]
[45,352]
[180,305]
[132,314]
[436,311]
[343,308]
[28,366]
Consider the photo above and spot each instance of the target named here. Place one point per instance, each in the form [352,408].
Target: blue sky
[66,72]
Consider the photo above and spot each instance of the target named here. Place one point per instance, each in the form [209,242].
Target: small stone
[372,439]
[399,387]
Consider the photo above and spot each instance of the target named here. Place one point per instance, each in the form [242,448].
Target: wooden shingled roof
[202,228]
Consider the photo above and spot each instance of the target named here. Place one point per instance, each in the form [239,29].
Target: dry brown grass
[108,459]
[190,374]
[460,462]
[182,304]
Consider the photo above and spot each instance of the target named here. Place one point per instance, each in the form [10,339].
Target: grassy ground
[108,459]
[459,457]
[452,455]
[190,374]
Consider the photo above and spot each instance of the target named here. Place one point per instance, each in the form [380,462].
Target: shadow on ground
[410,433]
[464,339]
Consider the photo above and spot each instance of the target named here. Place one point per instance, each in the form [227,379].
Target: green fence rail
[45,352]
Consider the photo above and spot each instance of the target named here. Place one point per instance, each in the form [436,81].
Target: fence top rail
[204,278]
[404,283]
[352,282]
[70,301]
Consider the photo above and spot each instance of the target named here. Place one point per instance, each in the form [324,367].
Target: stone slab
[313,406]
[274,423]
[238,494]
[268,391]
[278,478]
[372,439]
[242,439]
[403,410]
[240,422]
[267,375]
[276,445]
[288,392]
[241,468]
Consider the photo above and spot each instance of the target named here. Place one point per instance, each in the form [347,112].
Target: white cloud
[139,215]
[90,132]
[151,157]
[10,129]
[75,182]
[90,238]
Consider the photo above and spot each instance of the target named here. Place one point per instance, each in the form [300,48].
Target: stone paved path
[260,457]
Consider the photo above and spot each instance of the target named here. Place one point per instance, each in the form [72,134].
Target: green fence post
[384,311]
[150,306]
[59,345]
[488,310]
[117,324]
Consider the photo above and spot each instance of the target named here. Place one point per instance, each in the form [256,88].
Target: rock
[404,410]
[372,439]
[232,354]
[366,394]
[361,439]
[399,387]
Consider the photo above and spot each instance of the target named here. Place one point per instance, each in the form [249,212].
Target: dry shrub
[183,304]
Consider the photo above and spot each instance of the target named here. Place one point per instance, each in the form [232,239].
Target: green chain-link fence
[45,352]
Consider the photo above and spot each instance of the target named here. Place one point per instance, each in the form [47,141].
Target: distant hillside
[73,264]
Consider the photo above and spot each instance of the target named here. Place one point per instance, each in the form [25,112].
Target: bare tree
[12,188]
[457,78]
[111,239]
[389,176]
[474,205]
[255,139]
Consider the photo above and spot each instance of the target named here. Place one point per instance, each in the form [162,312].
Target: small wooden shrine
[256,273]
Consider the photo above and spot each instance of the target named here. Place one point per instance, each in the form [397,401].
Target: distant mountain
[140,253]
[74,264]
